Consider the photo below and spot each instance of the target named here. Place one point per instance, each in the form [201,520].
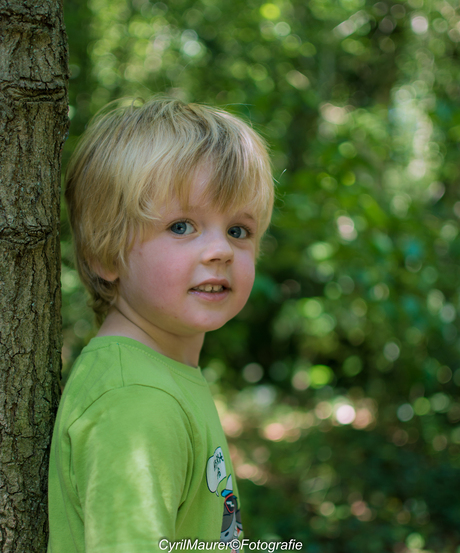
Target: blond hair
[135,158]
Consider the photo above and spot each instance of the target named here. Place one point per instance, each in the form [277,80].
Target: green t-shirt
[138,454]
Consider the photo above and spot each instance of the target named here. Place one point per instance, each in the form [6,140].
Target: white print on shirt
[216,472]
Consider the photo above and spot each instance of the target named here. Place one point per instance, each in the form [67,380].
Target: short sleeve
[131,460]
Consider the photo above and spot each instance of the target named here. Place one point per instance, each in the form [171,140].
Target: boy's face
[194,271]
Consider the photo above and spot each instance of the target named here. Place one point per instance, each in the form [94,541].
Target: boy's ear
[103,272]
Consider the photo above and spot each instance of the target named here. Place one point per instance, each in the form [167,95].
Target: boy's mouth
[213,288]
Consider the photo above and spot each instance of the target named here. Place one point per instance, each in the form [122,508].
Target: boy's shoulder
[123,361]
[114,366]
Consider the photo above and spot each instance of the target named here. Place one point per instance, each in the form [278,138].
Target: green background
[338,385]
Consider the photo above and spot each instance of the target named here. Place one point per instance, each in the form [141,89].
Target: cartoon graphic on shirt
[216,472]
[231,521]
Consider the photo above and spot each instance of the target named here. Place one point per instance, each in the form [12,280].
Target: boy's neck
[185,350]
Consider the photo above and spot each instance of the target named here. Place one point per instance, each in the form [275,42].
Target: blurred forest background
[338,385]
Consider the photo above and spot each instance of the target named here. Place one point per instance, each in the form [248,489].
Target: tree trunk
[33,125]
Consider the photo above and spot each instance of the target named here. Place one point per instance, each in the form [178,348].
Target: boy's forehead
[199,193]
[208,204]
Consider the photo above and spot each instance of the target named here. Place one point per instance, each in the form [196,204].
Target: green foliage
[338,383]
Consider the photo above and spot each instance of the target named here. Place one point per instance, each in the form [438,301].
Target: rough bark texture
[33,124]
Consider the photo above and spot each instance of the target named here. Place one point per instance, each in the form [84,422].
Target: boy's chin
[208,324]
[216,327]
[211,326]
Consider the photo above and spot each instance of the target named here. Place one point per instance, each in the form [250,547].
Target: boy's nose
[218,250]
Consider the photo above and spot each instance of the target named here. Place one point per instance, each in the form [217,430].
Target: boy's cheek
[245,271]
[248,280]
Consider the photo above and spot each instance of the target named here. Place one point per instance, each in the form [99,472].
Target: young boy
[167,203]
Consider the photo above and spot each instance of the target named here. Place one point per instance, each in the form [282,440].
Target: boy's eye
[182,227]
[238,232]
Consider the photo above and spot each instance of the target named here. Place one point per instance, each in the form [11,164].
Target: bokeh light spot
[405,412]
[253,372]
[422,406]
[320,375]
[415,541]
[312,308]
[297,80]
[352,365]
[345,414]
[274,432]
[391,351]
[270,11]
[419,24]
[301,380]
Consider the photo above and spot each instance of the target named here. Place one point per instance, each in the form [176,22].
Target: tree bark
[33,125]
